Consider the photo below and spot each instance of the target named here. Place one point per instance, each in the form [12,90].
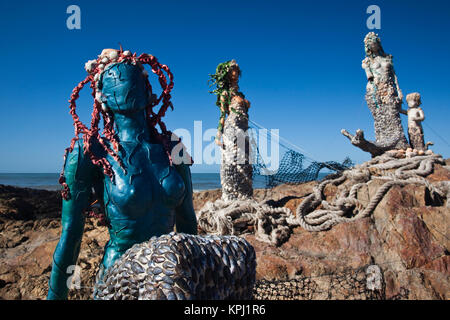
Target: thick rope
[273,225]
[408,171]
[241,216]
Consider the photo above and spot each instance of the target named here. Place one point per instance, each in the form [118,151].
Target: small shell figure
[415,117]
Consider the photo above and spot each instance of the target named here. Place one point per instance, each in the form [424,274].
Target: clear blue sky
[301,63]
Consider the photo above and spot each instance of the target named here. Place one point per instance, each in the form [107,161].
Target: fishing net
[294,167]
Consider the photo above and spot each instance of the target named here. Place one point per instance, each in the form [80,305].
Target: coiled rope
[273,224]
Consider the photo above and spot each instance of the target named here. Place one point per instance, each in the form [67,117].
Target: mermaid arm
[399,91]
[222,100]
[186,220]
[397,87]
[366,66]
[78,171]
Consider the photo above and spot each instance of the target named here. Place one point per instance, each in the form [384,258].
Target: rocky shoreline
[407,238]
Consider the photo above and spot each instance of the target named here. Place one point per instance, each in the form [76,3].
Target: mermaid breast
[172,185]
[131,195]
[149,182]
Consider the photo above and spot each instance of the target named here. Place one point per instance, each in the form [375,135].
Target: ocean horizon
[49,181]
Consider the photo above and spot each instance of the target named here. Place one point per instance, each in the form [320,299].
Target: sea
[49,181]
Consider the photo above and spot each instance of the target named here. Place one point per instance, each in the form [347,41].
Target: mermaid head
[372,45]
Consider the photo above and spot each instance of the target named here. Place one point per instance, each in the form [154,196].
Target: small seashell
[168,265]
[157,270]
[101,66]
[127,53]
[142,259]
[137,268]
[163,249]
[105,60]
[149,287]
[229,262]
[227,249]
[113,55]
[90,65]
[168,280]
[170,255]
[217,250]
[158,259]
[169,272]
[124,283]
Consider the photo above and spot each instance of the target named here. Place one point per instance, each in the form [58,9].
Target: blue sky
[301,63]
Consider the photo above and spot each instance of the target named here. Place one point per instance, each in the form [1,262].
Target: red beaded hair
[92,134]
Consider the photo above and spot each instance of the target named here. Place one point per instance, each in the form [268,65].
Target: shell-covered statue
[180,266]
[236,169]
[415,117]
[384,99]
[383,94]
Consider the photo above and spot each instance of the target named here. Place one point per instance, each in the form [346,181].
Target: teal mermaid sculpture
[129,168]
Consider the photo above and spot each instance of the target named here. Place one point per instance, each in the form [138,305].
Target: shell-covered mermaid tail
[179,266]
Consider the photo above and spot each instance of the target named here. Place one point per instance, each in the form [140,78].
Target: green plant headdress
[223,87]
[221,78]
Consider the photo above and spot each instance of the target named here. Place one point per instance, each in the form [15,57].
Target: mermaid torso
[140,203]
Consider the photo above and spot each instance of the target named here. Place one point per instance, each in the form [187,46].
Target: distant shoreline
[49,181]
